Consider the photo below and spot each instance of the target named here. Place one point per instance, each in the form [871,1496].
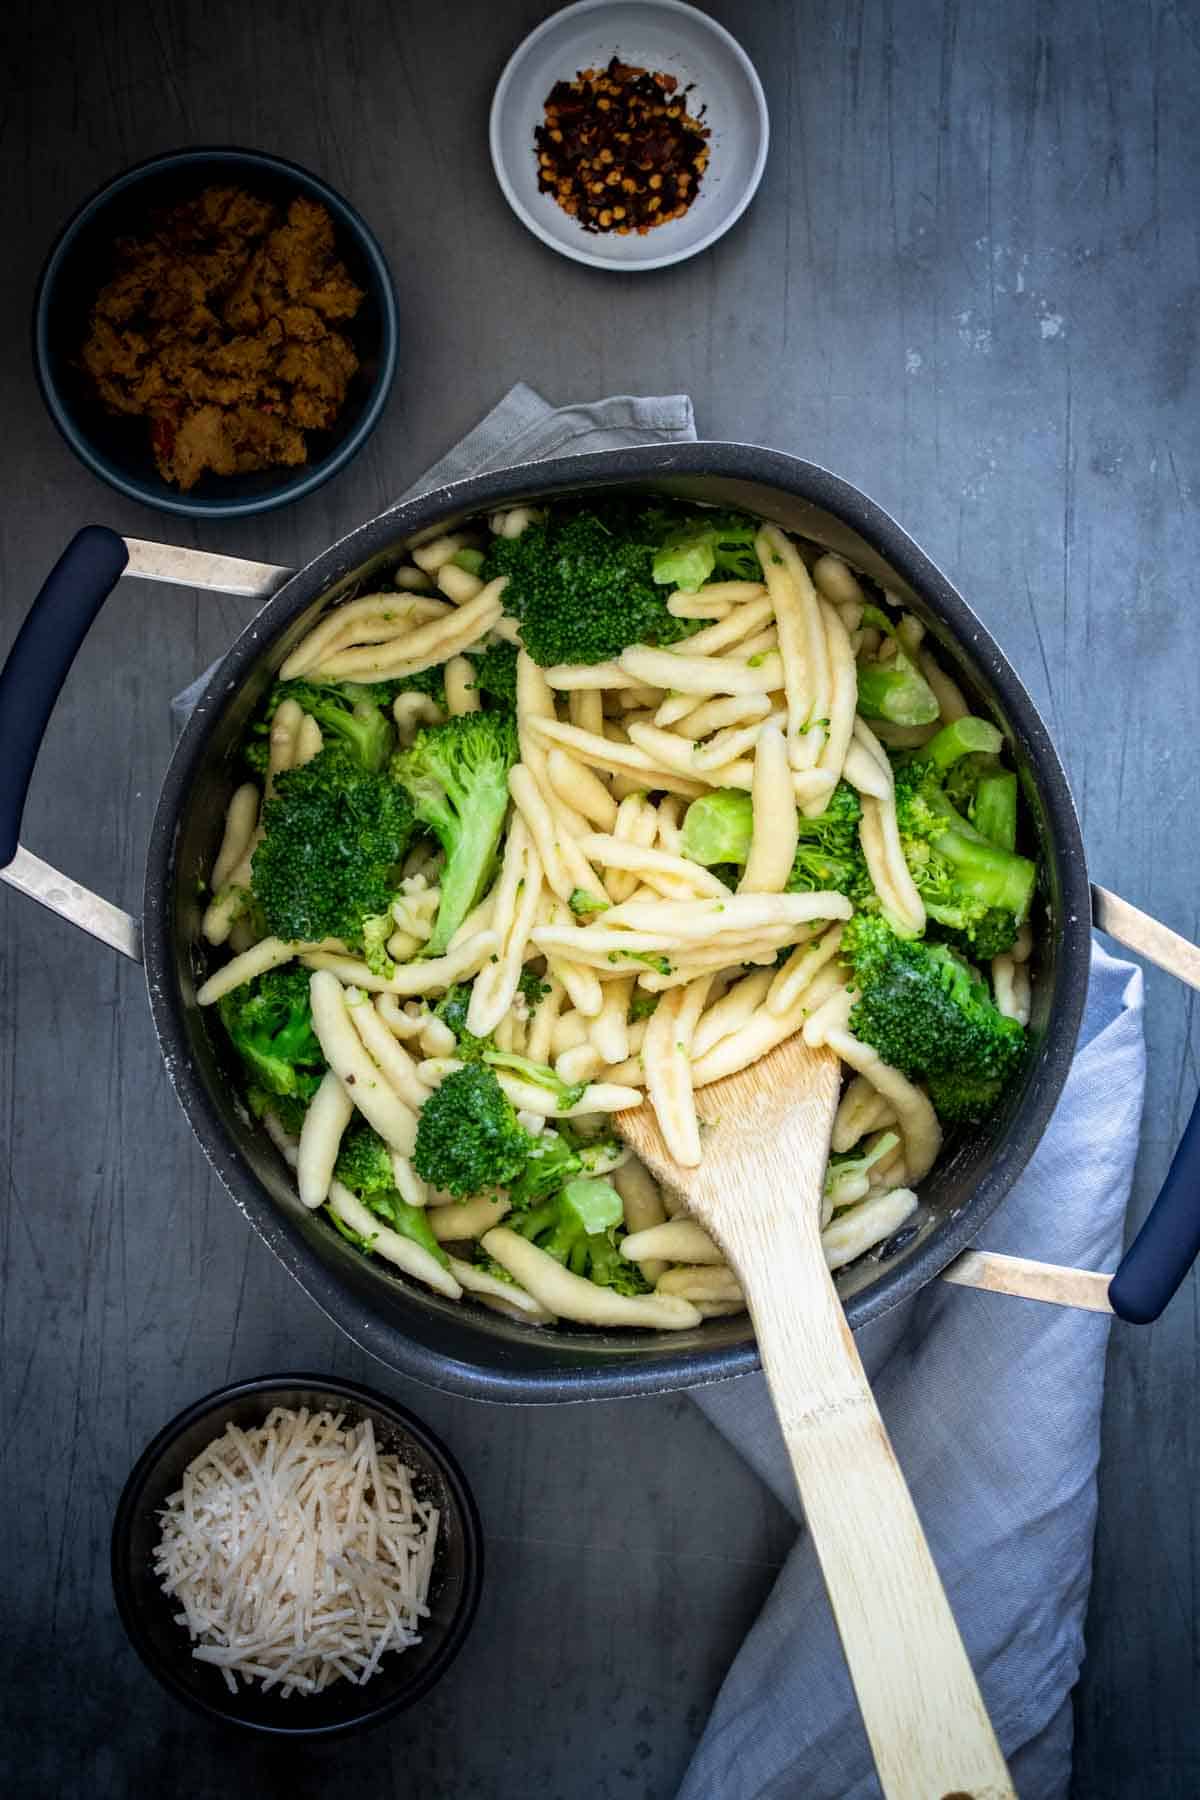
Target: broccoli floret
[269,1023]
[256,751]
[661,965]
[930,1015]
[364,1162]
[848,1177]
[829,856]
[468,1138]
[488,1265]
[375,934]
[348,711]
[566,1093]
[582,584]
[973,888]
[982,935]
[457,777]
[586,905]
[580,1228]
[552,1160]
[894,690]
[642,1005]
[962,1098]
[496,675]
[978,785]
[289,1109]
[532,989]
[426,681]
[718,828]
[452,1011]
[599,1152]
[334,835]
[704,544]
[364,1165]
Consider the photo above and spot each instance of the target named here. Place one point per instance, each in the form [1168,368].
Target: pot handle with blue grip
[38,663]
[32,677]
[1168,1243]
[1154,1265]
[30,682]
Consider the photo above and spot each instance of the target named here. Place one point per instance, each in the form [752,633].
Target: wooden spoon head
[770,1124]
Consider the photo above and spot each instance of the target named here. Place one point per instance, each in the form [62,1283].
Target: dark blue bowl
[118,449]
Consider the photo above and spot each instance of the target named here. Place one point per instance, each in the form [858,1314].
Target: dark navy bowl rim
[659,1367]
[314,475]
[367,1399]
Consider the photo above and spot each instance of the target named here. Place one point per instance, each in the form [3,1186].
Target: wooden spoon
[758,1191]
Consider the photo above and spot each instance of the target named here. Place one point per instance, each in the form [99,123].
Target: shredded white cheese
[298,1552]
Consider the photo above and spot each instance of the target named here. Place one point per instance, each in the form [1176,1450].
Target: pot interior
[466,1347]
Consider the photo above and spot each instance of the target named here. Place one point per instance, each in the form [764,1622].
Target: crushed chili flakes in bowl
[619,150]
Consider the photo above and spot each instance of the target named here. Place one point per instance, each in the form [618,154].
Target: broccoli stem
[964,737]
[994,813]
[992,875]
[718,827]
[566,1093]
[896,691]
[410,1221]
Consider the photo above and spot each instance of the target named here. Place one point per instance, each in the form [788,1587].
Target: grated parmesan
[299,1553]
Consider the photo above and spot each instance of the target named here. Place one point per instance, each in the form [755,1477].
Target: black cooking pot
[463,1348]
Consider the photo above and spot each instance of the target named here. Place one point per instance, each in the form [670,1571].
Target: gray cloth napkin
[993,1404]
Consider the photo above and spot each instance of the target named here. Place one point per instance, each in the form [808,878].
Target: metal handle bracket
[1145,936]
[178,566]
[91,912]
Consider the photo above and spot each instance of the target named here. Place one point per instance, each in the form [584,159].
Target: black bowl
[148,1615]
[118,449]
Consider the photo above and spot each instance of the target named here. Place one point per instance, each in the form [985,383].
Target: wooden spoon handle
[925,1718]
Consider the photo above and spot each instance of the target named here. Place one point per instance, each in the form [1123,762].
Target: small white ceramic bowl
[653,34]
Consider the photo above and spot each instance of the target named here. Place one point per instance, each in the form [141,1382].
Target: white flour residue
[912,362]
[975,337]
[1007,266]
[1010,275]
[987,461]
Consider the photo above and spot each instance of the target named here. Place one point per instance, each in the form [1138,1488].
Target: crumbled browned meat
[217,328]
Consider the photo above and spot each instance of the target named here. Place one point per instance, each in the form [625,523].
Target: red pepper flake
[619,150]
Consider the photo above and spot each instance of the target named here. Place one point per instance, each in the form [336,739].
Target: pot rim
[659,1368]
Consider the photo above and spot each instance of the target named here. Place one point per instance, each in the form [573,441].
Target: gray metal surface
[969,284]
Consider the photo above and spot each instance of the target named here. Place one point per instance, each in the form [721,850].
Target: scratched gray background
[969,284]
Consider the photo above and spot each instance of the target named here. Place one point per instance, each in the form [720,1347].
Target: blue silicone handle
[58,621]
[1168,1243]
